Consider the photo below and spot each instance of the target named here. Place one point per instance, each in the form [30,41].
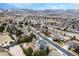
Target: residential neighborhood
[26,32]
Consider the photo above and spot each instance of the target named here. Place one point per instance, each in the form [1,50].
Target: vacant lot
[4,38]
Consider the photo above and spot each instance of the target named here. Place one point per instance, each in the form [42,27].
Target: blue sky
[39,6]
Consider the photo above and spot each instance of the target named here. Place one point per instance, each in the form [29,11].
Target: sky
[39,6]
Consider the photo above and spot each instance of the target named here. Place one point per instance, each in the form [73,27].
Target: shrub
[26,39]
[18,32]
[41,52]
[2,28]
[28,51]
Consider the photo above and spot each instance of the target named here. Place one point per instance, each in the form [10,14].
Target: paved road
[54,44]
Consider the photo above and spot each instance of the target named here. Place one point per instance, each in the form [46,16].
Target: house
[46,31]
[55,35]
[71,45]
[42,44]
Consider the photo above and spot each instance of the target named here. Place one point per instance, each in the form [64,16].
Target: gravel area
[16,51]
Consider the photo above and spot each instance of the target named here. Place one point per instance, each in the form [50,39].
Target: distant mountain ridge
[47,11]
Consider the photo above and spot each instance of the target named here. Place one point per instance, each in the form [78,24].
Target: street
[54,44]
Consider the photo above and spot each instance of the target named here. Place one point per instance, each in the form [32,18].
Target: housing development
[27,32]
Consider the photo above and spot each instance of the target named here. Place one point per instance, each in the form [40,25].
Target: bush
[36,53]
[4,24]
[41,52]
[18,32]
[77,50]
[26,39]
[9,29]
[73,38]
[2,28]
[28,51]
[32,35]
[47,51]
[26,23]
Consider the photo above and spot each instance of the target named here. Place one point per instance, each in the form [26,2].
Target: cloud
[20,5]
[58,7]
[45,5]
[76,5]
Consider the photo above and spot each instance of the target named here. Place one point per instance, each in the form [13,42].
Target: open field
[5,38]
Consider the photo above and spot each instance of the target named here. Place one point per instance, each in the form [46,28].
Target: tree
[26,23]
[77,50]
[32,35]
[20,22]
[36,53]
[29,29]
[4,24]
[42,53]
[65,28]
[29,39]
[73,38]
[47,50]
[18,32]
[10,20]
[20,25]
[22,40]
[39,53]
[73,27]
[9,29]
[28,51]
[2,28]
[26,39]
